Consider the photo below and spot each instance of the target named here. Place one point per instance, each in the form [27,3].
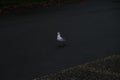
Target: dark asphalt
[28,41]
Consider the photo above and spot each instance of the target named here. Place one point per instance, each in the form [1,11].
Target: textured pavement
[28,41]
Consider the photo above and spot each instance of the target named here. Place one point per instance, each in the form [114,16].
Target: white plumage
[59,37]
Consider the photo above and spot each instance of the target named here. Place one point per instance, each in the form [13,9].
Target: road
[28,41]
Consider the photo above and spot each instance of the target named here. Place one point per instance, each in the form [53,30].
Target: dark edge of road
[104,68]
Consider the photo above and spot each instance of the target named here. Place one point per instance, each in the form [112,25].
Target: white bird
[59,38]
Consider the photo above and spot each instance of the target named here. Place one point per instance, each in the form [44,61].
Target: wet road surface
[28,42]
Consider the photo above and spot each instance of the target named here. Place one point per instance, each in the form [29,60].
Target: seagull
[59,38]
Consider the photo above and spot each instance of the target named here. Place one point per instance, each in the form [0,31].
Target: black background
[28,41]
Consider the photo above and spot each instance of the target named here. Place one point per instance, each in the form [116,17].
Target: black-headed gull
[61,42]
[59,37]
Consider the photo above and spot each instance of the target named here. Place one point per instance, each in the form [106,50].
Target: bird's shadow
[61,46]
